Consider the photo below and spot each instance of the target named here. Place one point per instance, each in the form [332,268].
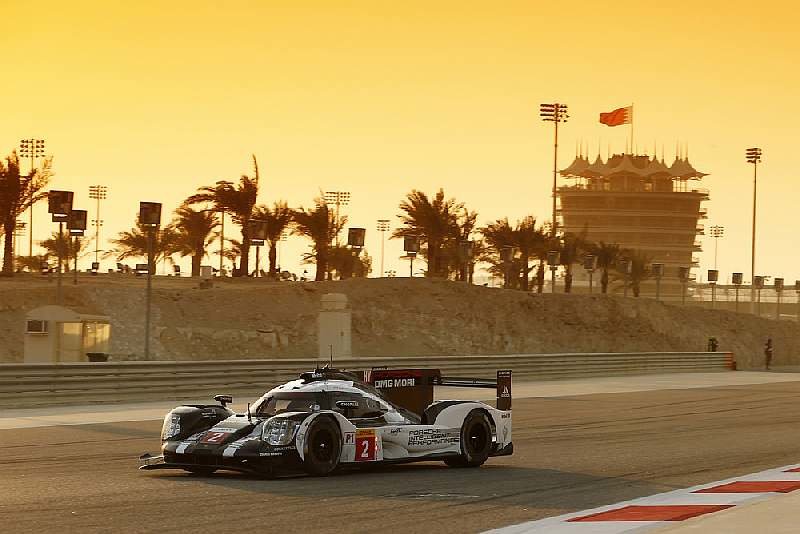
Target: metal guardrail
[24,385]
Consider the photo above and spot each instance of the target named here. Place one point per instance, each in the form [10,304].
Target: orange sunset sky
[154,99]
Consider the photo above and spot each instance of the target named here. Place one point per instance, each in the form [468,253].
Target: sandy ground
[255,318]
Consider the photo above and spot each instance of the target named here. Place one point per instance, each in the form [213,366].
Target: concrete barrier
[24,385]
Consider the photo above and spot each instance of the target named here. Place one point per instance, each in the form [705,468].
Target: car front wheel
[322,447]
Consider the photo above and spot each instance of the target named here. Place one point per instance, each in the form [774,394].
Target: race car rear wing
[413,388]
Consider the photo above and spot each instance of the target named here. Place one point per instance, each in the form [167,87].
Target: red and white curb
[655,511]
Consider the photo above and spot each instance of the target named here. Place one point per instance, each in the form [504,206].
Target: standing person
[768,352]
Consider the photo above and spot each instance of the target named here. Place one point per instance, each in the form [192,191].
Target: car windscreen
[287,402]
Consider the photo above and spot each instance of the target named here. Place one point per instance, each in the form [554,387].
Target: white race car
[329,419]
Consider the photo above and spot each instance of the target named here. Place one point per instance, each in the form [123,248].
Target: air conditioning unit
[36,327]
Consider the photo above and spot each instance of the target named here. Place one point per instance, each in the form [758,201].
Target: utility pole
[753,155]
[98,193]
[33,149]
[554,113]
[383,227]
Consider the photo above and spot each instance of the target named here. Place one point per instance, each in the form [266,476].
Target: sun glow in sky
[154,99]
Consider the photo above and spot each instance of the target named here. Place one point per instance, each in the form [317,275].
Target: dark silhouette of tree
[18,192]
[195,231]
[320,225]
[349,263]
[66,246]
[607,256]
[278,219]
[571,249]
[435,221]
[133,244]
[640,269]
[529,242]
[238,200]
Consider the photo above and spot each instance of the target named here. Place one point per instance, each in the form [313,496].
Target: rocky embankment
[392,316]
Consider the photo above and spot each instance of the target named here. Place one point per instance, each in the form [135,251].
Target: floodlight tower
[383,227]
[339,198]
[98,193]
[554,113]
[33,149]
[753,155]
[716,232]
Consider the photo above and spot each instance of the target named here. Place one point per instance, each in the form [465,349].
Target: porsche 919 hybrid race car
[329,419]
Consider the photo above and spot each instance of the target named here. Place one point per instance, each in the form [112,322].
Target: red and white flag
[617,117]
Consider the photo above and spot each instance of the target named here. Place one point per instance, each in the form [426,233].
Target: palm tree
[640,269]
[18,193]
[237,199]
[499,235]
[434,222]
[278,219]
[571,248]
[525,237]
[348,263]
[133,244]
[607,256]
[320,225]
[64,247]
[194,233]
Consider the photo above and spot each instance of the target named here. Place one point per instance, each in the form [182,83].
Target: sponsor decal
[395,430]
[505,394]
[395,383]
[215,436]
[426,437]
[366,445]
[345,404]
[505,415]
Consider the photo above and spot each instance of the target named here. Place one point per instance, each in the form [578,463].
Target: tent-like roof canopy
[631,165]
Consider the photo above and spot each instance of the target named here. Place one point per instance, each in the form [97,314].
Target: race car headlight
[279,431]
[171,427]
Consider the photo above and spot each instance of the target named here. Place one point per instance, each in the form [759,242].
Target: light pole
[627,268]
[716,232]
[590,265]
[383,227]
[753,155]
[411,247]
[59,205]
[19,231]
[713,276]
[778,293]
[553,258]
[76,224]
[98,193]
[737,283]
[554,113]
[683,275]
[658,272]
[465,251]
[284,236]
[33,149]
[339,198]
[149,218]
[758,285]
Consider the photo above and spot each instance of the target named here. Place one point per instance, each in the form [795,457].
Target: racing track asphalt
[572,453]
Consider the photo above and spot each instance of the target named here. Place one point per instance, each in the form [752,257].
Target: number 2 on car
[365,446]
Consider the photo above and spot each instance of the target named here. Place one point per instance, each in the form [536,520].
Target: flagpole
[631,127]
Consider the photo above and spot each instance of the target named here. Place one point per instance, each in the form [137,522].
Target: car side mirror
[224,400]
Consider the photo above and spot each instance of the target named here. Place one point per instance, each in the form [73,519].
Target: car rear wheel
[322,447]
[476,441]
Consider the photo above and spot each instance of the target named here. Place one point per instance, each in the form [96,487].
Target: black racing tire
[322,447]
[476,441]
[201,471]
